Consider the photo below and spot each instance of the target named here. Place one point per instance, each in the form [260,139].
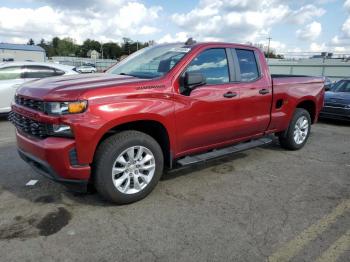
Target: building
[332,68]
[93,54]
[15,52]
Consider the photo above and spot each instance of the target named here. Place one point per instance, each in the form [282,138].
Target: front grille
[30,103]
[29,126]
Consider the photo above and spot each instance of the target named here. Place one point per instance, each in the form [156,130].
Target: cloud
[310,32]
[341,41]
[314,47]
[94,5]
[347,5]
[241,20]
[305,14]
[105,20]
[179,37]
[346,28]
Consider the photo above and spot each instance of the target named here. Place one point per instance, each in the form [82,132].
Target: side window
[38,72]
[213,64]
[12,72]
[59,72]
[248,65]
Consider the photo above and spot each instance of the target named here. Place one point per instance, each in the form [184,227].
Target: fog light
[62,130]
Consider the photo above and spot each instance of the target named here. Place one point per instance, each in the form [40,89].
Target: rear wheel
[128,166]
[298,131]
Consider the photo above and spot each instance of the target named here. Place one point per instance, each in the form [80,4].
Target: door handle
[230,94]
[264,91]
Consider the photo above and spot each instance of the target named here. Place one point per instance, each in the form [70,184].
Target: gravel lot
[262,204]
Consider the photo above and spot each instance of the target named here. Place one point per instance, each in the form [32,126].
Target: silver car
[14,74]
[86,69]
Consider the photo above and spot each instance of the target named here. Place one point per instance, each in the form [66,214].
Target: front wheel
[298,131]
[128,166]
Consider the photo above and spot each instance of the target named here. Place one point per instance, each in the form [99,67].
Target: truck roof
[204,44]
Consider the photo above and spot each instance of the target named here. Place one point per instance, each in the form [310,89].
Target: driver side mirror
[327,88]
[193,80]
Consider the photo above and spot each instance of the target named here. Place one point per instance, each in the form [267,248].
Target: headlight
[64,108]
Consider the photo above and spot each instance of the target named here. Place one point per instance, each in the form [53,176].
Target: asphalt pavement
[263,204]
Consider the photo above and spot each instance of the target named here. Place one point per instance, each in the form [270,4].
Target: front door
[207,115]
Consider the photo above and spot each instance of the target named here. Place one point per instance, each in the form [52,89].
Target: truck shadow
[16,174]
[187,170]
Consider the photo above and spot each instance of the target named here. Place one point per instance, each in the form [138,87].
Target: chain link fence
[100,64]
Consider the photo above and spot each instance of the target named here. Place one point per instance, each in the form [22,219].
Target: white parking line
[32,182]
[337,249]
[292,248]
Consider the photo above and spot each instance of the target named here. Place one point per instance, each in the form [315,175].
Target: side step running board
[188,160]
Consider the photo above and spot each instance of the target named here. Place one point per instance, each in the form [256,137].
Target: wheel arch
[310,106]
[153,127]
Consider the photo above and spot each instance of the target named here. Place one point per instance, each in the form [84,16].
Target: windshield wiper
[125,74]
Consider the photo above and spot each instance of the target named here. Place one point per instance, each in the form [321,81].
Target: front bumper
[51,157]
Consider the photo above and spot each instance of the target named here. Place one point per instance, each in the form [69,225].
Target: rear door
[11,78]
[255,92]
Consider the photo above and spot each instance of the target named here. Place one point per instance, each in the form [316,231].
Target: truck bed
[288,90]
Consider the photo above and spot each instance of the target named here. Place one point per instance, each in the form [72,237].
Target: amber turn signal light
[77,107]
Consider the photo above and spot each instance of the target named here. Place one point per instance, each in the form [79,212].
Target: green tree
[272,54]
[112,50]
[88,45]
[31,42]
[126,46]
[43,45]
[66,47]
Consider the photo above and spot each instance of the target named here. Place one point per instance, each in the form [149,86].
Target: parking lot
[262,204]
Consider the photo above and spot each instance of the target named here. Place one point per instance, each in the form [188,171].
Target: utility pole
[102,50]
[137,45]
[268,47]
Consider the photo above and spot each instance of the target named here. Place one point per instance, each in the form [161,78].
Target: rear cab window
[248,65]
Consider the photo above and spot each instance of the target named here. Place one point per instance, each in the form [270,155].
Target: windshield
[151,62]
[341,86]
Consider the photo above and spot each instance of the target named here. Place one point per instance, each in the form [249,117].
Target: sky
[294,26]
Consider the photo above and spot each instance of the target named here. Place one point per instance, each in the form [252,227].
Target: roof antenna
[190,41]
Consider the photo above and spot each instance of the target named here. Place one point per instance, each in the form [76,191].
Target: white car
[14,74]
[86,69]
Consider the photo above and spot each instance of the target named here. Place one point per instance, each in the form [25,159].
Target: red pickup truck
[163,107]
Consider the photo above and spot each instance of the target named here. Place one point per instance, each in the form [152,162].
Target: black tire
[286,138]
[106,155]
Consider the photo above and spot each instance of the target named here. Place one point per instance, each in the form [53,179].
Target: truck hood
[71,87]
